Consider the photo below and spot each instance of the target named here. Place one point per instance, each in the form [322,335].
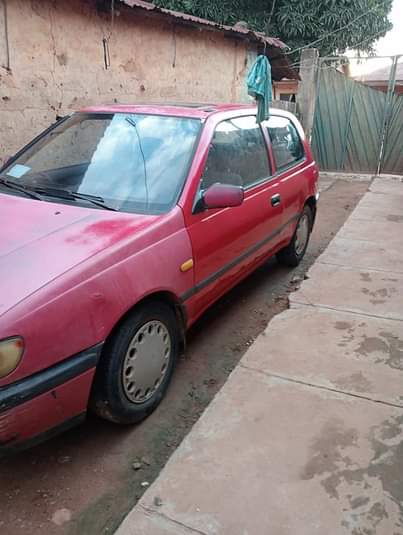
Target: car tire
[139,356]
[294,252]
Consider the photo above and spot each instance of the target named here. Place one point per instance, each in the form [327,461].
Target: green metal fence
[352,122]
[392,161]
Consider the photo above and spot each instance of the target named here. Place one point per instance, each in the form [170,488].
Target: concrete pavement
[306,436]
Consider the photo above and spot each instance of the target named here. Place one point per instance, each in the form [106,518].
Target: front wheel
[137,365]
[295,250]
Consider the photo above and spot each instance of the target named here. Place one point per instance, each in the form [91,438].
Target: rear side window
[286,143]
[238,154]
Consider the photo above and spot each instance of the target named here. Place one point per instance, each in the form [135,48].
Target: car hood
[39,241]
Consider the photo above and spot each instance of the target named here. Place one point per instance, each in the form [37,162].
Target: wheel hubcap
[146,361]
[301,235]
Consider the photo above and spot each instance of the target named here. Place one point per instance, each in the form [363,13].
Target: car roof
[189,110]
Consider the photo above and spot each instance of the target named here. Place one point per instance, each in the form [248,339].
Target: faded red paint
[45,411]
[70,273]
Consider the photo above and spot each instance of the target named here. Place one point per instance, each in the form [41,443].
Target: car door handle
[276,199]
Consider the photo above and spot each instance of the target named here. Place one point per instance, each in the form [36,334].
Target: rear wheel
[137,364]
[295,250]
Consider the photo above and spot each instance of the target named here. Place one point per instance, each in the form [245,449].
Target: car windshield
[130,162]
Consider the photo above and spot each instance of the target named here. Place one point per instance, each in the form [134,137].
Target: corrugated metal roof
[382,75]
[238,30]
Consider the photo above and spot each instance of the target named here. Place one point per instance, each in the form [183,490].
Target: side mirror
[222,196]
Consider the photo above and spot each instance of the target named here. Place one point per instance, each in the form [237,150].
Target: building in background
[56,57]
[286,90]
[379,78]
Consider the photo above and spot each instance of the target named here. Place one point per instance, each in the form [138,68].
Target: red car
[119,226]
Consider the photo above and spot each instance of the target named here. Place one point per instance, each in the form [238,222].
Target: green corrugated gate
[348,126]
[393,152]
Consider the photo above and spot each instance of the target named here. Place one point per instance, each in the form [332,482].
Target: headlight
[11,351]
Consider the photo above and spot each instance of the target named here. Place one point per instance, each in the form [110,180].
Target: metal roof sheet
[237,30]
[382,74]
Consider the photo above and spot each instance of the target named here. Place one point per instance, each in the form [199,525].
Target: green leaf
[335,24]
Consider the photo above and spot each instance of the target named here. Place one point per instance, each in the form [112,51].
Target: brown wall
[286,86]
[57,64]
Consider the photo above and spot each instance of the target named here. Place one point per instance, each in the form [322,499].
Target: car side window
[238,154]
[285,141]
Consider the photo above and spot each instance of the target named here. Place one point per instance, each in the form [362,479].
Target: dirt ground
[86,480]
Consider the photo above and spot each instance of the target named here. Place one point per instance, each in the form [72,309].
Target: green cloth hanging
[259,86]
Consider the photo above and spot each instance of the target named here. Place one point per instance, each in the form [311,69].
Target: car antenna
[131,121]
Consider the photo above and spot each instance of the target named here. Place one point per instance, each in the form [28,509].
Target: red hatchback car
[120,225]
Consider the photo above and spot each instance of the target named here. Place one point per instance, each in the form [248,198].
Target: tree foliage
[335,25]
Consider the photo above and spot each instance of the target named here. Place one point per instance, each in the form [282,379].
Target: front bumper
[43,404]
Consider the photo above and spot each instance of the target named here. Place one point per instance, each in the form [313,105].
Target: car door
[294,168]
[229,242]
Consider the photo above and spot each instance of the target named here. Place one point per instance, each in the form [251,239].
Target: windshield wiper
[72,195]
[19,187]
[94,199]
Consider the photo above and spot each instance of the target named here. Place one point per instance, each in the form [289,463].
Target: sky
[389,45]
[392,43]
